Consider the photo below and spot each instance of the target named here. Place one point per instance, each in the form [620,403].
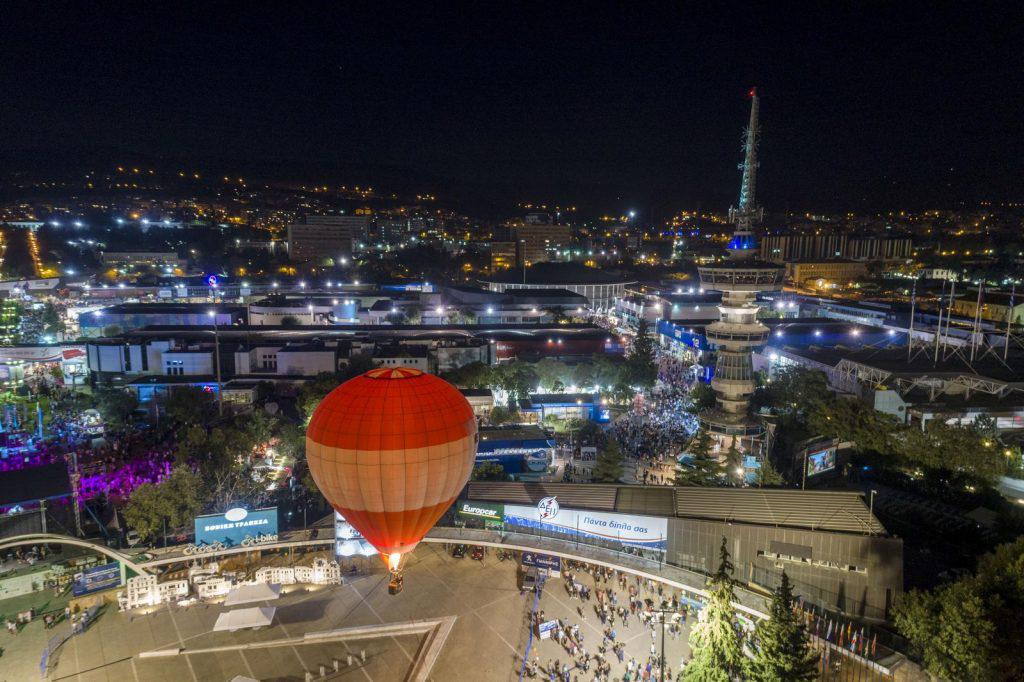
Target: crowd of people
[625,609]
[111,467]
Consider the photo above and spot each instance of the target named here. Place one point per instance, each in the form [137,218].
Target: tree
[116,405]
[473,375]
[551,373]
[768,475]
[714,640]
[289,321]
[312,392]
[503,415]
[641,369]
[175,501]
[608,467]
[782,651]
[703,397]
[489,471]
[734,460]
[191,406]
[971,629]
[702,468]
[793,388]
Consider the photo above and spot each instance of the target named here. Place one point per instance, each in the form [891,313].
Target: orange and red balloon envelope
[390,450]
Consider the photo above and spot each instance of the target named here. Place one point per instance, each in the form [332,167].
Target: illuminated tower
[737,331]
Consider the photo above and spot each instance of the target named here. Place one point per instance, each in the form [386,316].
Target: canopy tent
[248,594]
[241,619]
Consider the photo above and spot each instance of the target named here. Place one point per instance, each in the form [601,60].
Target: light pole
[216,354]
[522,255]
[663,613]
[871,509]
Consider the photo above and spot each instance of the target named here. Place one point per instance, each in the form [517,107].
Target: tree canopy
[806,407]
[971,629]
[176,501]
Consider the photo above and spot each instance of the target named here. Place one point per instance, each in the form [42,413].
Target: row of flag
[832,630]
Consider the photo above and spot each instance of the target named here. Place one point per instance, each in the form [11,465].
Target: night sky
[864,106]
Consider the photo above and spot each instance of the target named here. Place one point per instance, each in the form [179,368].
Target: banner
[235,525]
[638,531]
[97,578]
[481,510]
[552,563]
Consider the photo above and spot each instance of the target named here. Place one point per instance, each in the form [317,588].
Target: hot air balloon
[390,450]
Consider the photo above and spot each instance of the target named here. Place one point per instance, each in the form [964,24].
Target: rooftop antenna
[747,213]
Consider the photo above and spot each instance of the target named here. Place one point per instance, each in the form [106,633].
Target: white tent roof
[240,619]
[248,594]
[243,678]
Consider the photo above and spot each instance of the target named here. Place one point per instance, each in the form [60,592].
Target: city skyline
[642,108]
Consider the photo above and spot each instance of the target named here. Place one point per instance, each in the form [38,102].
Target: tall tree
[782,651]
[715,640]
[702,468]
[641,368]
[768,475]
[608,467]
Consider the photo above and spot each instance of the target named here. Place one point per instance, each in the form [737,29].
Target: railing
[751,603]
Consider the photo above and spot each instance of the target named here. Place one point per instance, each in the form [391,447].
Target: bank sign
[235,525]
[482,510]
[637,531]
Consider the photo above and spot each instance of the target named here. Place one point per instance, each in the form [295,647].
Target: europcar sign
[235,525]
[482,510]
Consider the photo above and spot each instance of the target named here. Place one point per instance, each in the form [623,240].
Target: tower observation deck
[737,331]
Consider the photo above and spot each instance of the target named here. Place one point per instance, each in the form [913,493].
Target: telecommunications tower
[737,331]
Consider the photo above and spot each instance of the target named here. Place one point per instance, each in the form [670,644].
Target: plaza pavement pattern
[485,640]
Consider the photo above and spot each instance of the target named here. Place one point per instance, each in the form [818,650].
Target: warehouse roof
[825,510]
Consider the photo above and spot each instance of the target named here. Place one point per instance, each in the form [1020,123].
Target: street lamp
[216,353]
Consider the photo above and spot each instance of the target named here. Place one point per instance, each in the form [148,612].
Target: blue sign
[553,563]
[97,578]
[235,525]
[212,280]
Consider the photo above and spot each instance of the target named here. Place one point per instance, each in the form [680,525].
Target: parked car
[478,553]
[459,551]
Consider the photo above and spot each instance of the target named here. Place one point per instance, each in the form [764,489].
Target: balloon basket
[396,583]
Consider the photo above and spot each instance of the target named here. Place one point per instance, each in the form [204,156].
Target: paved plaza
[486,641]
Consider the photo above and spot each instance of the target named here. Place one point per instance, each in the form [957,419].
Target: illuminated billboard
[821,461]
[637,531]
[235,525]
